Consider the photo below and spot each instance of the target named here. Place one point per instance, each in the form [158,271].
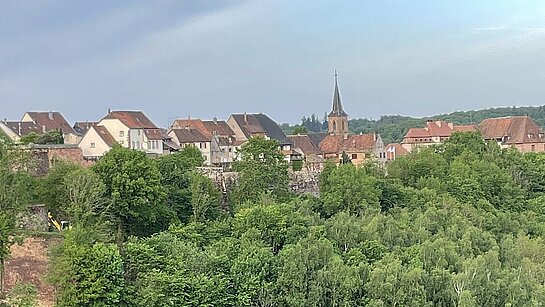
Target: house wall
[528,147]
[115,126]
[9,133]
[149,148]
[27,118]
[92,136]
[70,138]
[236,129]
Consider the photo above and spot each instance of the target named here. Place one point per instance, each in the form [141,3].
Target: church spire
[337,104]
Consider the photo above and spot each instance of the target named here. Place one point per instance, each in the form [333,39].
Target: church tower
[337,120]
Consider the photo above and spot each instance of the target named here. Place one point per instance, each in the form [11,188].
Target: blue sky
[211,58]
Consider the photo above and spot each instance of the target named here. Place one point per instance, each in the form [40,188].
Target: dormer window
[531,135]
[541,135]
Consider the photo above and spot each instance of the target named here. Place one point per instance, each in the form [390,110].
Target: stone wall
[301,182]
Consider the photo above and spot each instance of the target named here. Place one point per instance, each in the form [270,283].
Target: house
[15,130]
[193,137]
[223,143]
[394,150]
[130,129]
[435,132]
[310,153]
[82,127]
[520,132]
[51,121]
[246,126]
[358,148]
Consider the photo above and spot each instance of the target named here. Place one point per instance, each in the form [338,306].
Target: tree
[16,188]
[52,191]
[176,170]
[85,194]
[205,198]
[86,272]
[261,169]
[300,130]
[348,188]
[133,185]
[51,137]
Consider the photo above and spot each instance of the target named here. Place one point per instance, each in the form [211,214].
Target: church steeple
[337,120]
[337,104]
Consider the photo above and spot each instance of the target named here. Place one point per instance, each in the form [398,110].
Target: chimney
[245,117]
[374,137]
[43,129]
[109,110]
[20,130]
[438,123]
[345,136]
[50,115]
[215,120]
[451,125]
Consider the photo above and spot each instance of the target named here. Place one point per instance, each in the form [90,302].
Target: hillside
[392,128]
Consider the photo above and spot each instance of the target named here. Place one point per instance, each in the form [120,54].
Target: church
[339,142]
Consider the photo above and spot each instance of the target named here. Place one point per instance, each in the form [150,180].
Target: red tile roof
[353,143]
[51,121]
[220,127]
[512,130]
[105,135]
[304,143]
[132,119]
[394,150]
[438,128]
[190,135]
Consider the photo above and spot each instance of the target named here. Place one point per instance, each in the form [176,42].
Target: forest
[392,128]
[460,224]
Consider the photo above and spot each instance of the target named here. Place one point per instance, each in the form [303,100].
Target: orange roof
[394,150]
[438,128]
[132,119]
[512,130]
[352,143]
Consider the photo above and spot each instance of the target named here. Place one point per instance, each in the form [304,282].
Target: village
[218,140]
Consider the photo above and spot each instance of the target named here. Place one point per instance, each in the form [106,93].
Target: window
[202,145]
[533,147]
[93,145]
[354,156]
[334,126]
[121,133]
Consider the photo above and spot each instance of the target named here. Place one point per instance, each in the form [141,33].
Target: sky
[211,58]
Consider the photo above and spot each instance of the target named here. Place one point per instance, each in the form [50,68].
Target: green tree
[85,194]
[300,130]
[261,169]
[175,170]
[51,137]
[86,272]
[348,188]
[205,198]
[133,185]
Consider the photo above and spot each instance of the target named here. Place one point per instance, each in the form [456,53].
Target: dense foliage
[462,224]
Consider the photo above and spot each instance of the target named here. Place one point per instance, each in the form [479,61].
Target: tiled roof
[219,126]
[260,123]
[154,134]
[105,135]
[438,128]
[190,123]
[318,137]
[304,143]
[82,127]
[394,150]
[512,130]
[190,135]
[51,121]
[23,128]
[352,143]
[132,119]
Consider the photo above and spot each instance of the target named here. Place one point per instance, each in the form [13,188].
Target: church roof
[337,104]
